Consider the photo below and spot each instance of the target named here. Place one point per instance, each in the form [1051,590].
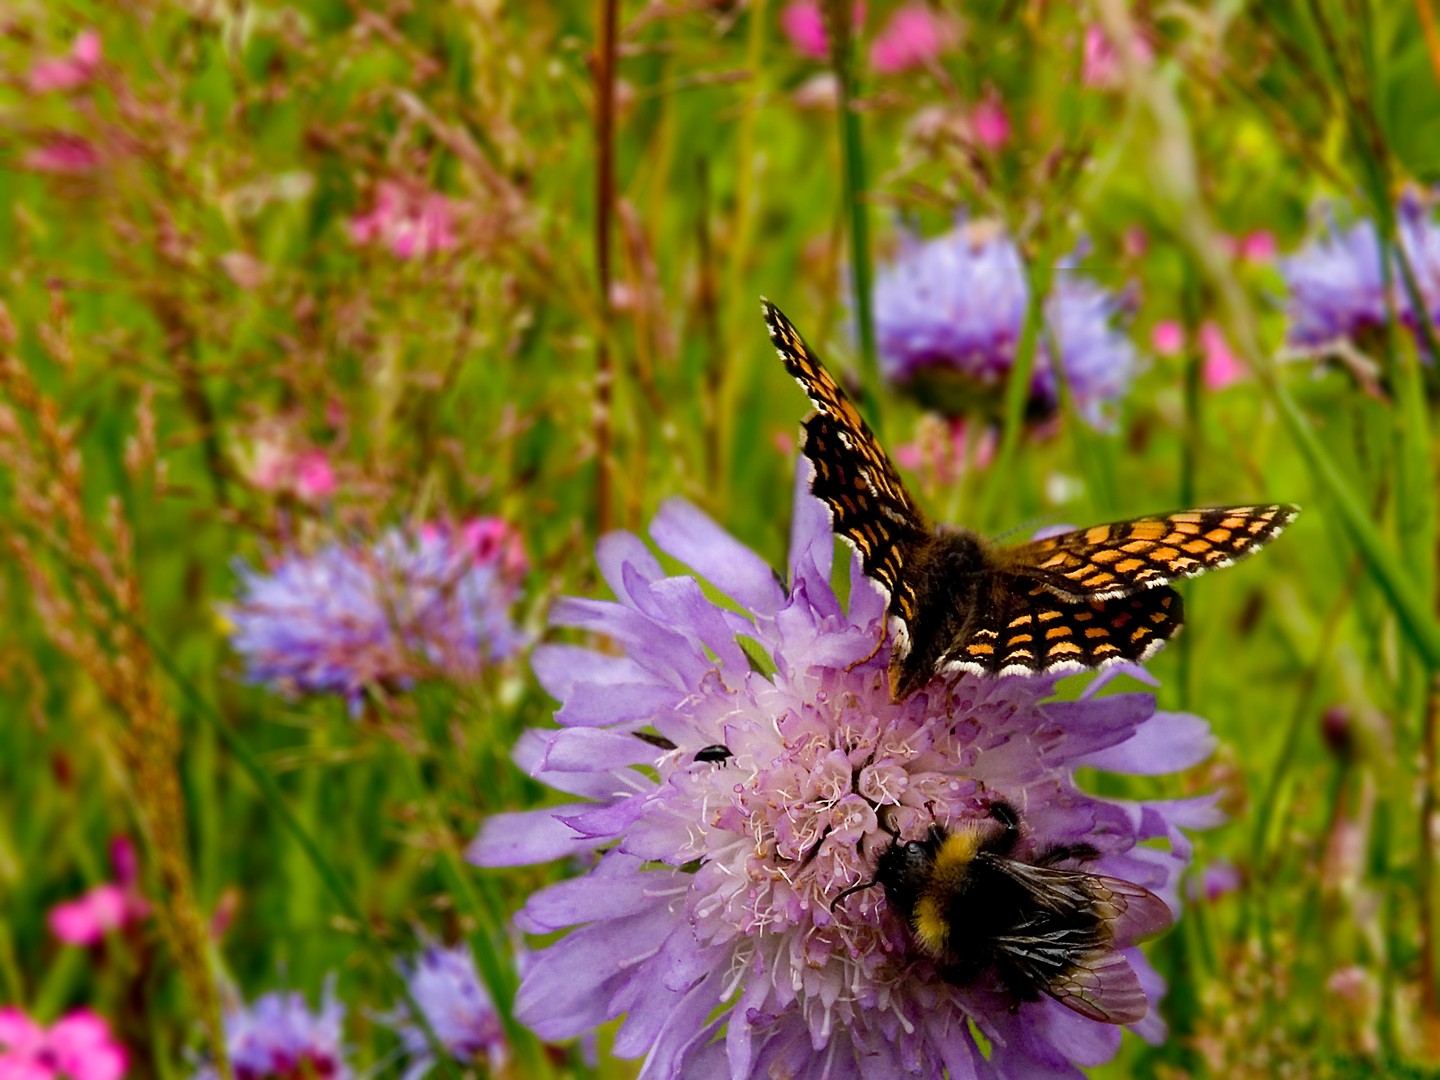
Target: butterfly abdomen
[948,574]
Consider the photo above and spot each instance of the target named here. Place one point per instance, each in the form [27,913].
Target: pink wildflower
[1221,366]
[314,479]
[804,24]
[275,465]
[1101,67]
[411,224]
[913,37]
[63,153]
[1257,247]
[989,123]
[1167,338]
[109,906]
[495,540]
[78,1047]
[68,72]
[939,452]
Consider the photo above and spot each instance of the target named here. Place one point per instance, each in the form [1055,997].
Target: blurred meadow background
[293,290]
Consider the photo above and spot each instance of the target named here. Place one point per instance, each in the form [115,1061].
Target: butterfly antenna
[1029,527]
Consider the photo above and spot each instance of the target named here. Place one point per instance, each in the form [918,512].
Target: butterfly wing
[868,504]
[1128,557]
[1069,947]
[1025,628]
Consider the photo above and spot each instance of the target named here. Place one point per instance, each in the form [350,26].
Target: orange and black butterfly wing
[1026,629]
[868,503]
[1128,557]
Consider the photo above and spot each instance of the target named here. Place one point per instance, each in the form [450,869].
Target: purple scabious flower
[705,918]
[1336,285]
[948,314]
[448,990]
[278,1038]
[348,617]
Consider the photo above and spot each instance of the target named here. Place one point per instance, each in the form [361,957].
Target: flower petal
[683,530]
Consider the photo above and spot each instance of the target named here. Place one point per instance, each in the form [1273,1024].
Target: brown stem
[1431,32]
[1429,839]
[604,210]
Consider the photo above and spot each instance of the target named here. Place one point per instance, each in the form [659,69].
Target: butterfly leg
[1066,852]
[880,641]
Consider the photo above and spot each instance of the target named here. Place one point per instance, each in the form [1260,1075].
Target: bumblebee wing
[1069,947]
[1128,557]
[1103,986]
[1124,911]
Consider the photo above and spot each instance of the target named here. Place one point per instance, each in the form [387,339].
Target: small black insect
[714,752]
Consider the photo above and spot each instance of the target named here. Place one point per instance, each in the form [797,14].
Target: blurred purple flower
[948,315]
[706,919]
[412,224]
[279,1038]
[111,905]
[426,600]
[1337,287]
[68,72]
[1219,878]
[448,990]
[78,1046]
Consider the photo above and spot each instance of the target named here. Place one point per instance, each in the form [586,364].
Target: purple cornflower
[279,1038]
[430,600]
[706,920]
[948,316]
[446,986]
[1336,285]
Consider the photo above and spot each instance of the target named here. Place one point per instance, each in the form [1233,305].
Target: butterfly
[959,603]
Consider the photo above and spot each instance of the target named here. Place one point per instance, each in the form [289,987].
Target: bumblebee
[975,910]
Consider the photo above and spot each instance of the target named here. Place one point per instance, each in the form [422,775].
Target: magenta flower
[427,601]
[1101,65]
[804,24]
[989,123]
[78,1046]
[279,1038]
[446,986]
[914,36]
[1167,338]
[63,154]
[109,906]
[772,763]
[940,451]
[68,72]
[412,224]
[1256,247]
[1220,367]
